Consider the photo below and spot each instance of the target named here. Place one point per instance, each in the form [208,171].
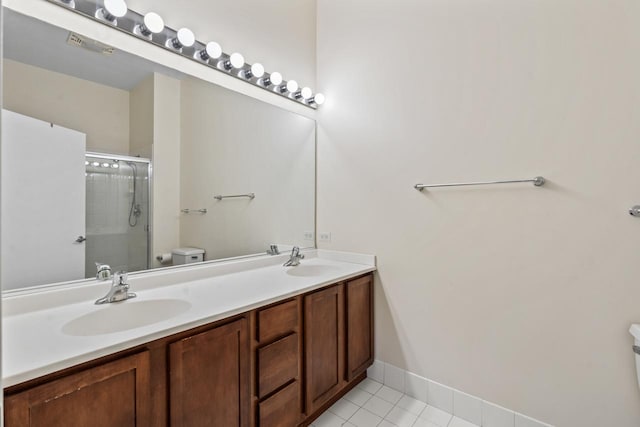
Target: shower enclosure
[117,212]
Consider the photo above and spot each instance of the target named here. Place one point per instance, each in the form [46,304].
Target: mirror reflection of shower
[135,211]
[117,212]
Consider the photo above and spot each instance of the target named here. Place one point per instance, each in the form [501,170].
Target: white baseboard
[456,402]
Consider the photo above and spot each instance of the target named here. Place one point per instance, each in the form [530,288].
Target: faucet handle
[104,271]
[120,278]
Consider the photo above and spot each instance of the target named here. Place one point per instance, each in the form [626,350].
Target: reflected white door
[42,202]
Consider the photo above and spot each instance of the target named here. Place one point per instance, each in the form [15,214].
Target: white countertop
[37,338]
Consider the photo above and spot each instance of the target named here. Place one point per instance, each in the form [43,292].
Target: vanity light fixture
[256,70]
[292,86]
[236,60]
[306,93]
[318,99]
[68,3]
[151,27]
[151,24]
[111,11]
[184,38]
[274,79]
[211,50]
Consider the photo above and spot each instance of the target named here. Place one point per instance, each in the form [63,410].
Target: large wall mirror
[110,158]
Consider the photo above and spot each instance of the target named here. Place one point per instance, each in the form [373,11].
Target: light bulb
[257,70]
[96,164]
[152,24]
[112,10]
[276,78]
[306,92]
[292,86]
[86,163]
[211,50]
[237,60]
[115,165]
[319,99]
[184,38]
[105,165]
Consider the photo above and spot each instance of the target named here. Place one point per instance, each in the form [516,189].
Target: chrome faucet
[295,258]
[119,289]
[104,271]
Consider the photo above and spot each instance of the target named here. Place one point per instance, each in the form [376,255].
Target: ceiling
[40,44]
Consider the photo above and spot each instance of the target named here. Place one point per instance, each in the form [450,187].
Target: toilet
[635,331]
[181,256]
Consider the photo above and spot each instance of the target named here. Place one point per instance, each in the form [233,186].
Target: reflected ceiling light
[151,24]
[112,10]
[236,60]
[211,50]
[184,38]
[256,70]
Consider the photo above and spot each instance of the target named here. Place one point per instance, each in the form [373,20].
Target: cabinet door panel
[324,349]
[359,304]
[113,394]
[209,378]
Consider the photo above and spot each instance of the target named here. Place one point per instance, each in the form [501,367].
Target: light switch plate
[308,235]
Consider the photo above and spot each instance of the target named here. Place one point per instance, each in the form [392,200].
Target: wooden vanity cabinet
[277,366]
[338,340]
[209,378]
[117,393]
[359,323]
[324,345]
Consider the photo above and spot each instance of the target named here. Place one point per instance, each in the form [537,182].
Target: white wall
[99,111]
[519,295]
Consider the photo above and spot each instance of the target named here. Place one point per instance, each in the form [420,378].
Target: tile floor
[372,404]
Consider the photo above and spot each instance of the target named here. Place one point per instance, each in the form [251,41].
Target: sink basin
[122,316]
[310,270]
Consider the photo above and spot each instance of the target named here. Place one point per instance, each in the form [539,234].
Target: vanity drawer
[277,364]
[277,320]
[281,409]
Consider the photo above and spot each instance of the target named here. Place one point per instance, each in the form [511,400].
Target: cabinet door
[324,352]
[209,378]
[114,394]
[359,293]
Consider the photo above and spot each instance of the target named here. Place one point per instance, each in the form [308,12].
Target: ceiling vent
[78,40]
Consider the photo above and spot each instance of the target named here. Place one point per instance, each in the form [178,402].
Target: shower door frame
[149,192]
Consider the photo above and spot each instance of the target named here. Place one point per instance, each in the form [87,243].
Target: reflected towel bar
[188,211]
[249,195]
[538,181]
